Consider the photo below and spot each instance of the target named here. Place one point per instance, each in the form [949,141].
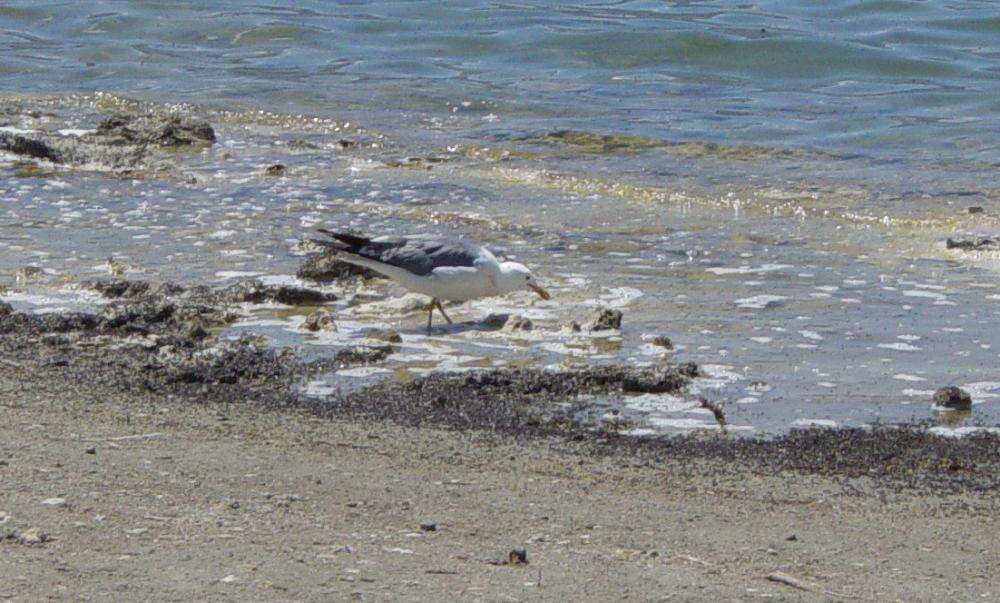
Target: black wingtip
[352,241]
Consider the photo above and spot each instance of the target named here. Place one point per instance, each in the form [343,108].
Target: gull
[442,269]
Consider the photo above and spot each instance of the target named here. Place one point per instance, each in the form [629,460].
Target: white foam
[760,302]
[926,294]
[899,347]
[749,270]
[958,432]
[815,423]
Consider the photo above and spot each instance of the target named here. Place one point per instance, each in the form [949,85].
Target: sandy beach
[142,498]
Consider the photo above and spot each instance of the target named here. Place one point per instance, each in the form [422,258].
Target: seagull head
[516,276]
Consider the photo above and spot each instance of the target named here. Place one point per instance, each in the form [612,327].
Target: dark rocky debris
[121,142]
[256,293]
[325,268]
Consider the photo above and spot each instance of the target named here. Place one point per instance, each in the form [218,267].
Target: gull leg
[430,316]
[437,303]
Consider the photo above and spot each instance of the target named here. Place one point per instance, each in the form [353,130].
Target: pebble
[606,319]
[663,341]
[953,398]
[975,209]
[277,169]
[320,320]
[429,527]
[91,450]
[229,579]
[54,502]
[517,557]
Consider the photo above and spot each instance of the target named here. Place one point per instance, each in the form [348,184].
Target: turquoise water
[773,189]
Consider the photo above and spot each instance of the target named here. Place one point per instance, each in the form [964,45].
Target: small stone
[573,327]
[32,536]
[428,527]
[91,450]
[606,319]
[975,209]
[688,369]
[663,341]
[972,243]
[229,579]
[137,531]
[496,320]
[518,323]
[517,557]
[387,335]
[953,398]
[320,320]
[234,505]
[792,538]
[54,502]
[277,169]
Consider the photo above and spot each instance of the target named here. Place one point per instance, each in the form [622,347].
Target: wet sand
[222,501]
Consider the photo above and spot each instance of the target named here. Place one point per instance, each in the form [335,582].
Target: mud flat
[142,457]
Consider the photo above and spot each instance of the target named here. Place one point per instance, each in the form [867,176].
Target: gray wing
[421,256]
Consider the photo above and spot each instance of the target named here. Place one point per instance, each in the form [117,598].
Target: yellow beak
[542,293]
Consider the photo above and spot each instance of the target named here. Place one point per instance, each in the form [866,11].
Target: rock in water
[277,169]
[327,268]
[663,341]
[256,293]
[320,320]
[953,398]
[508,322]
[606,319]
[164,131]
[30,147]
[384,335]
[518,323]
[972,243]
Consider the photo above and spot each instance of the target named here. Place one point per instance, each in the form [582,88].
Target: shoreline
[142,496]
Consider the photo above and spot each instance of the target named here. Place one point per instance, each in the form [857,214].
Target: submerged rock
[275,170]
[663,341]
[325,268]
[508,322]
[126,142]
[153,129]
[119,287]
[953,398]
[20,144]
[606,319]
[363,355]
[387,335]
[256,292]
[972,243]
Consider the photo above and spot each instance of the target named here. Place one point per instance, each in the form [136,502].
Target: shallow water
[768,184]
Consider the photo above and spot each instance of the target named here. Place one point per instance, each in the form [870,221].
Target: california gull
[440,268]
